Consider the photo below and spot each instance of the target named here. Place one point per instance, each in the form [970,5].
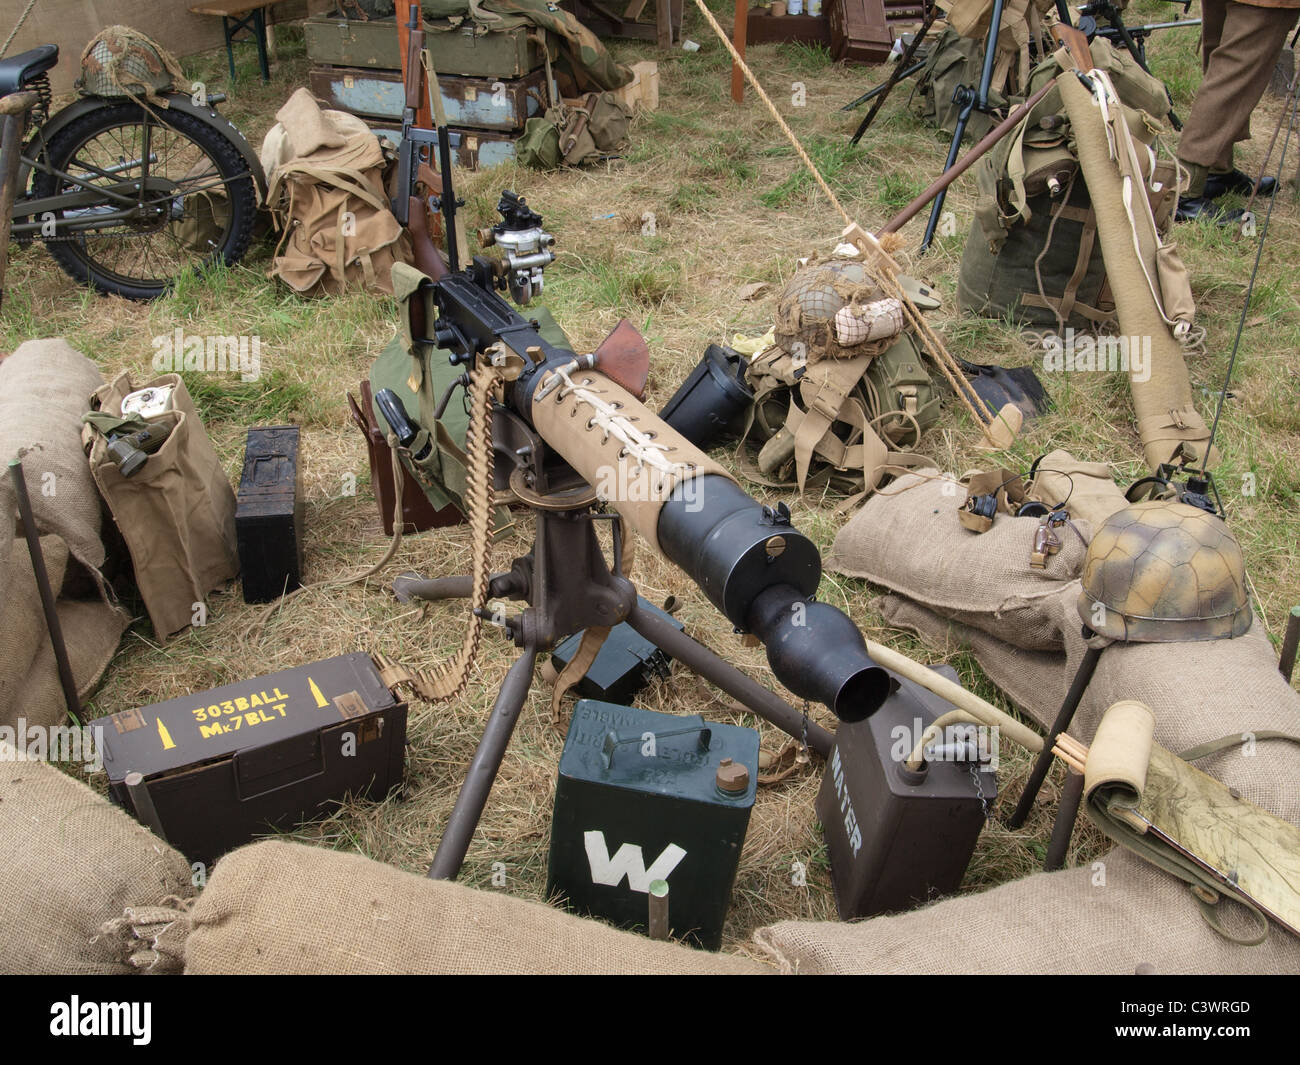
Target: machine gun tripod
[568,585]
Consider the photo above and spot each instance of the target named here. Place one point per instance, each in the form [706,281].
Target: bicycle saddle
[18,70]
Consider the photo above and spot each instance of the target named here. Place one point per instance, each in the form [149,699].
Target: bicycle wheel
[171,192]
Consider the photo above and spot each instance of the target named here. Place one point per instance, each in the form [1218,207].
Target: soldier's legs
[1238,67]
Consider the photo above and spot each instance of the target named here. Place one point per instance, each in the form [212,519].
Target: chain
[803,757]
[448,681]
[974,766]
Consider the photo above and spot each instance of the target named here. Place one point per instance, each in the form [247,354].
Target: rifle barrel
[965,162]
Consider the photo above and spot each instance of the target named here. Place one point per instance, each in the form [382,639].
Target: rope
[17,26]
[776,115]
[880,271]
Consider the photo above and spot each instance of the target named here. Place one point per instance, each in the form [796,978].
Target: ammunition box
[639,799]
[625,663]
[208,772]
[373,44]
[469,103]
[370,43]
[896,838]
[269,514]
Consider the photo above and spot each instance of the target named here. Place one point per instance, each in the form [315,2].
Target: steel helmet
[1162,572]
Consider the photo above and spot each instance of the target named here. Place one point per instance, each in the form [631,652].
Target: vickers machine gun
[575,437]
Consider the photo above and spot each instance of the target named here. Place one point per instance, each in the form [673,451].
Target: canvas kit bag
[326,189]
[176,514]
[1033,253]
[574,132]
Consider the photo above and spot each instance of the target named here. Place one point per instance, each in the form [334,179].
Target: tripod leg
[902,70]
[698,658]
[1066,814]
[483,769]
[1064,716]
[958,132]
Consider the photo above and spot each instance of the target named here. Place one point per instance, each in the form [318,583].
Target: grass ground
[730,206]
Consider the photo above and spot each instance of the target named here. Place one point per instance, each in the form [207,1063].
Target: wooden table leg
[664,22]
[738,39]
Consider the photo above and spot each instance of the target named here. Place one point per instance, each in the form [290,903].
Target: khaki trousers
[1241,43]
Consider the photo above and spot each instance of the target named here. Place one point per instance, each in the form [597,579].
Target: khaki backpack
[1033,254]
[327,192]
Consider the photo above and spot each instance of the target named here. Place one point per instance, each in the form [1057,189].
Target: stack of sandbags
[973,591]
[45,387]
[72,863]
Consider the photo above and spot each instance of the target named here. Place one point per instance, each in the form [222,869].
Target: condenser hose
[985,713]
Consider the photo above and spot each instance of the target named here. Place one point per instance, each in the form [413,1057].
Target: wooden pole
[738,35]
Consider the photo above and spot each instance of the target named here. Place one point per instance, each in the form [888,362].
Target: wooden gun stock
[1075,45]
[624,357]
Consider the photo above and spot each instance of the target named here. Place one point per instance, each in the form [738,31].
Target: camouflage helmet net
[805,311]
[120,61]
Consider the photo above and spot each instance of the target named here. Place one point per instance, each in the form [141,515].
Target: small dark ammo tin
[625,663]
[208,772]
[269,514]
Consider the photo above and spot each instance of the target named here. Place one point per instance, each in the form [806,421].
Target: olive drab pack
[1032,254]
[571,134]
[327,192]
[838,422]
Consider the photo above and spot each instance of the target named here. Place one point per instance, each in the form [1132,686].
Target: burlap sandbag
[71,862]
[1109,917]
[909,539]
[44,388]
[22,624]
[1086,488]
[176,514]
[92,630]
[276,907]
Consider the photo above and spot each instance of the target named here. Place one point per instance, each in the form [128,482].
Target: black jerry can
[640,798]
[896,838]
[269,514]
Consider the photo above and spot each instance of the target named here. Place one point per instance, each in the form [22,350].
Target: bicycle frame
[124,198]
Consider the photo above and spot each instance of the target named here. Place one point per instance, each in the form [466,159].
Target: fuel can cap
[732,778]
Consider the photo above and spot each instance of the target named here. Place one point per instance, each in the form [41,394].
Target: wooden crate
[479,103]
[373,45]
[859,31]
[643,90]
[480,149]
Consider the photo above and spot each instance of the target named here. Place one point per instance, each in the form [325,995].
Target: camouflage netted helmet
[806,309]
[121,61]
[1162,572]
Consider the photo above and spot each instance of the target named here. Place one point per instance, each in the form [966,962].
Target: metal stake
[1073,697]
[43,586]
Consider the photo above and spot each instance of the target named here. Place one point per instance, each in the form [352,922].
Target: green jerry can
[644,797]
